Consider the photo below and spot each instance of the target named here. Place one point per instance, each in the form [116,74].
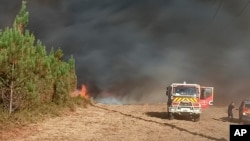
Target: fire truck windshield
[185,91]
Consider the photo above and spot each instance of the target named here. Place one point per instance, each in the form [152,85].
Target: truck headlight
[244,114]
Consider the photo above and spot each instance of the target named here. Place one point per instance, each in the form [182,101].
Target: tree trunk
[11,97]
[11,89]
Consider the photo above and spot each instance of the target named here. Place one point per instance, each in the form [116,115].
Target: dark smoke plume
[132,49]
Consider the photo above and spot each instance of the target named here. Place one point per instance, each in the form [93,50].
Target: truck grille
[185,104]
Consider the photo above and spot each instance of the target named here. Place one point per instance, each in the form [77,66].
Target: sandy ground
[126,123]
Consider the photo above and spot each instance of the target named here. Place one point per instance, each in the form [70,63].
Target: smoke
[133,49]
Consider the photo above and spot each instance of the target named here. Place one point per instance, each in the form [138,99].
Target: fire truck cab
[183,100]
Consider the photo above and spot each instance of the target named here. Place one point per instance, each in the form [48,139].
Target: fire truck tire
[170,116]
[197,118]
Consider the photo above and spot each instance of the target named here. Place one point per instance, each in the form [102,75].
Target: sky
[132,49]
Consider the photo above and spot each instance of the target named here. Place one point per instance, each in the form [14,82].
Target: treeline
[29,76]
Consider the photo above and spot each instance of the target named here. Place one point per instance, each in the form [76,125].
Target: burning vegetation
[83,92]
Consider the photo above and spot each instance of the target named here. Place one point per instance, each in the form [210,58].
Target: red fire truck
[188,99]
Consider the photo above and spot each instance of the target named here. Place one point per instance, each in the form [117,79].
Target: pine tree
[28,76]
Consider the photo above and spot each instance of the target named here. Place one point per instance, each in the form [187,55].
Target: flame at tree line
[82,93]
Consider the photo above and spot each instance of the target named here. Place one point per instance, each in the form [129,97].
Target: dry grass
[37,114]
[126,122]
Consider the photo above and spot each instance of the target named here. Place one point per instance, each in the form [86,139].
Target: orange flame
[84,92]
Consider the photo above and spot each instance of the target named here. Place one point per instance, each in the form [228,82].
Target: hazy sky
[134,48]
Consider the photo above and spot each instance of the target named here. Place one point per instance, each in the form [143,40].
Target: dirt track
[127,123]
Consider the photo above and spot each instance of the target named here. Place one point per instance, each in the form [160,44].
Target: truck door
[206,97]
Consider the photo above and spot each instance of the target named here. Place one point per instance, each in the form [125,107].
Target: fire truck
[188,99]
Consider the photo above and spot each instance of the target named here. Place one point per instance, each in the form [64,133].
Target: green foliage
[22,18]
[29,77]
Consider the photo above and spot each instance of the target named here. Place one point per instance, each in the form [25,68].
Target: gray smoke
[132,49]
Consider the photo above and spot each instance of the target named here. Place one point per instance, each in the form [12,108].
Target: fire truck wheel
[197,118]
[170,116]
